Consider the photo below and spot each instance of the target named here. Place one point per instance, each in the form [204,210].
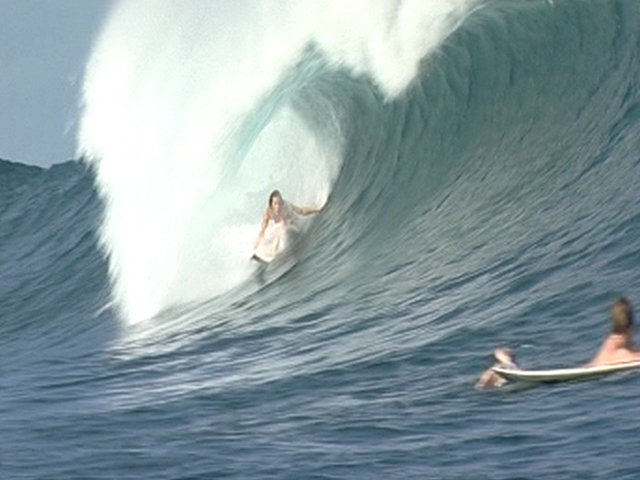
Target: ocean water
[478,164]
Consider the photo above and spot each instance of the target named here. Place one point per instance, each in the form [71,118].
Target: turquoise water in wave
[492,202]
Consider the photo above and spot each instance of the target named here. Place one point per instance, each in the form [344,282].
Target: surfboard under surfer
[618,348]
[278,221]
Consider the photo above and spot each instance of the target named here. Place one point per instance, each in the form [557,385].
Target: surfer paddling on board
[617,349]
[280,219]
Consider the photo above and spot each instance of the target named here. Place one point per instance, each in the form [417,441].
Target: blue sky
[44,45]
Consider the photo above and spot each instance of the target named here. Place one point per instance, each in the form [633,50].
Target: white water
[168,93]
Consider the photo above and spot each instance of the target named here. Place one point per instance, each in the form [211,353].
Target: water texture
[478,164]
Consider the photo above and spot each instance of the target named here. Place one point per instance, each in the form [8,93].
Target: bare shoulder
[612,356]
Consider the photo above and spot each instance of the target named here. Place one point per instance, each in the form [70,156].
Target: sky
[44,46]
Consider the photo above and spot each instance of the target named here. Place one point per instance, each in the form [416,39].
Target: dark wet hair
[274,194]
[621,315]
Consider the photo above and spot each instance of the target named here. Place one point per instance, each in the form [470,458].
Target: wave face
[478,166]
[53,273]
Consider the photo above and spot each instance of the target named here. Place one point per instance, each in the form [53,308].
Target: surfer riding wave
[279,225]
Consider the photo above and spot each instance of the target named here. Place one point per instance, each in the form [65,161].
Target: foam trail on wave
[187,142]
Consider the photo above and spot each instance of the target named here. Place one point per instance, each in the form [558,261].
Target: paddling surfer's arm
[504,357]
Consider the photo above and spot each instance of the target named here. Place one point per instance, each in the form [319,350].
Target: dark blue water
[493,203]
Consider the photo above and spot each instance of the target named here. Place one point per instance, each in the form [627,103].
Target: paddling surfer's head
[621,316]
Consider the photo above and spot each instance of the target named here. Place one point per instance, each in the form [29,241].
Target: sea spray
[189,120]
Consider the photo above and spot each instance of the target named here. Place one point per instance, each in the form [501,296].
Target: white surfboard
[562,374]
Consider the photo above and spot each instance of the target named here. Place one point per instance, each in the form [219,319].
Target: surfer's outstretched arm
[305,210]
